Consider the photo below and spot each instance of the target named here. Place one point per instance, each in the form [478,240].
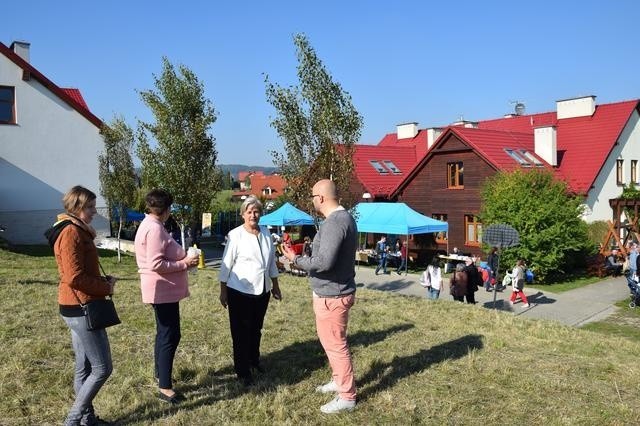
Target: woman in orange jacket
[81,282]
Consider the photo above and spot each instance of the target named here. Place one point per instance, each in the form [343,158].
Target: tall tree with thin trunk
[118,183]
[318,125]
[183,161]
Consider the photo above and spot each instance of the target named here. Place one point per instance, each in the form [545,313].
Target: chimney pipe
[546,144]
[21,48]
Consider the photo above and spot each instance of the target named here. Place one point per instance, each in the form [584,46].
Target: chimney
[407,130]
[432,135]
[21,48]
[546,145]
[576,107]
[465,123]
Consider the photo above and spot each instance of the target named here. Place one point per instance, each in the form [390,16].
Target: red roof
[260,182]
[404,159]
[583,143]
[29,71]
[76,96]
[419,142]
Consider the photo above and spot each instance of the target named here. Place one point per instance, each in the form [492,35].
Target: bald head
[325,196]
[326,188]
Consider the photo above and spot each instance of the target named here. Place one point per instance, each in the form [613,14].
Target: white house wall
[605,187]
[50,149]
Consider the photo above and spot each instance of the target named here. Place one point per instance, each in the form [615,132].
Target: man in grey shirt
[331,269]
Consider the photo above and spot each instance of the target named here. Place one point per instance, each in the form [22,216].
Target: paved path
[576,307]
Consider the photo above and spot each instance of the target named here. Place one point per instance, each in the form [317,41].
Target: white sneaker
[328,387]
[338,404]
[526,305]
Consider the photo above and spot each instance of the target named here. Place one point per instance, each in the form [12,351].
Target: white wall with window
[616,171]
[48,148]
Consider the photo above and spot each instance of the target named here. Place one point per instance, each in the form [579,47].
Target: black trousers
[246,317]
[167,339]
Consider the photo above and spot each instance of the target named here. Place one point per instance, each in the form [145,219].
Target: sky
[431,62]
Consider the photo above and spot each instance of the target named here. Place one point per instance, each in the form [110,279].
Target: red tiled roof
[29,71]
[76,96]
[419,142]
[260,181]
[583,143]
[403,157]
[491,144]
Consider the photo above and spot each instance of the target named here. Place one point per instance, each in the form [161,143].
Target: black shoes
[174,399]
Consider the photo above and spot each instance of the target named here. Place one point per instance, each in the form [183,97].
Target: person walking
[517,282]
[382,249]
[403,258]
[432,279]
[80,282]
[458,283]
[332,273]
[492,263]
[248,275]
[632,273]
[162,265]
[474,279]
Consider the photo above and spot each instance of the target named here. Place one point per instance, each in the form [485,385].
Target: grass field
[416,361]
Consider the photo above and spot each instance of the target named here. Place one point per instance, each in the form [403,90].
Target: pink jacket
[163,277]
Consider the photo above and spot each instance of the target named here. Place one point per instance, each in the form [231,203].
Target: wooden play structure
[620,232]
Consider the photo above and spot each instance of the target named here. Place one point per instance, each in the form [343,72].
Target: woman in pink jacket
[162,265]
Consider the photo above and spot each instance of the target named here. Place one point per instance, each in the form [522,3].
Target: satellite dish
[519,108]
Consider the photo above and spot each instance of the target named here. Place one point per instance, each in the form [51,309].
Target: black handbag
[99,313]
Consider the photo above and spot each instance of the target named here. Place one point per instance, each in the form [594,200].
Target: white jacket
[248,261]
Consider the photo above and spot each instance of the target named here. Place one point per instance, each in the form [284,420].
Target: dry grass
[417,362]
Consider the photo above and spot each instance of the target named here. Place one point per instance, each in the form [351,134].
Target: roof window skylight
[531,158]
[392,167]
[517,157]
[379,167]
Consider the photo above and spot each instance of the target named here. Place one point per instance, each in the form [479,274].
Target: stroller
[634,286]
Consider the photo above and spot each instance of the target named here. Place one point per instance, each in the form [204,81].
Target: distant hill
[235,168]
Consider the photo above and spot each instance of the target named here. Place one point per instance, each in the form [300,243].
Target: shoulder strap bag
[99,313]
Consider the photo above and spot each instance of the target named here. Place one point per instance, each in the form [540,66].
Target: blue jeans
[93,367]
[629,278]
[403,264]
[432,293]
[382,264]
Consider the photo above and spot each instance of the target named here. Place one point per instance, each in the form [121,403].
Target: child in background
[517,281]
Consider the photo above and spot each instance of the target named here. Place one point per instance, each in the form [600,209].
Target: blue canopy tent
[395,218]
[287,215]
[131,215]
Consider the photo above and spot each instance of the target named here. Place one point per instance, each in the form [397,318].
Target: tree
[319,126]
[553,237]
[118,183]
[184,160]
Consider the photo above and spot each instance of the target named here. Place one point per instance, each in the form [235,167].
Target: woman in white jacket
[432,279]
[248,274]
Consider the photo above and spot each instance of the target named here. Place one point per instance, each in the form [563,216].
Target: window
[7,105]
[392,167]
[441,237]
[455,175]
[517,157]
[379,167]
[620,172]
[634,171]
[526,154]
[472,230]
